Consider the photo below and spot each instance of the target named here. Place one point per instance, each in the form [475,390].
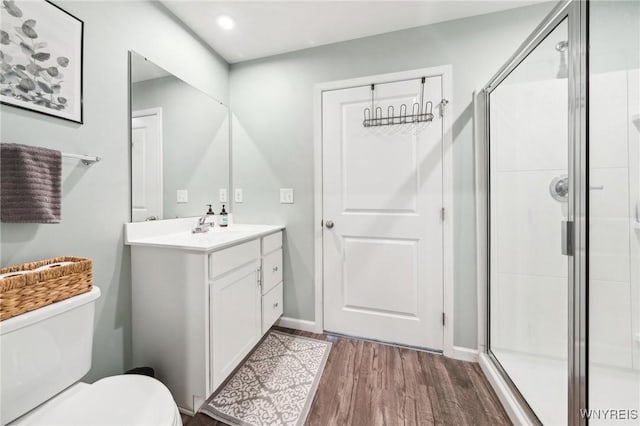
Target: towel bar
[87,160]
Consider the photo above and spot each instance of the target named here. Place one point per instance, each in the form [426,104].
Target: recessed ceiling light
[226,22]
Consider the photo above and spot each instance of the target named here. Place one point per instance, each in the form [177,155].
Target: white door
[382,191]
[146,165]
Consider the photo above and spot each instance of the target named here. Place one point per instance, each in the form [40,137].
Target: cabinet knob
[275,305]
[275,269]
[329,224]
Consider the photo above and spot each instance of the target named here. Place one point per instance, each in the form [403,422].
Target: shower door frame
[576,13]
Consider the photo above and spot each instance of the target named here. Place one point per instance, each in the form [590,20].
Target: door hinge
[443,319]
[567,247]
[442,213]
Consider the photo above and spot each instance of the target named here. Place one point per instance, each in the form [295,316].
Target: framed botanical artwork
[41,58]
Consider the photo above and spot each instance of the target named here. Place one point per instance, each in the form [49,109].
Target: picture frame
[41,59]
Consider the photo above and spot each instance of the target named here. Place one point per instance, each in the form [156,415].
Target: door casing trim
[157,111]
[445,72]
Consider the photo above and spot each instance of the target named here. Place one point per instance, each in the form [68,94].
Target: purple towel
[30,189]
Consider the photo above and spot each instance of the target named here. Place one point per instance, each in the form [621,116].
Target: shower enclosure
[562,209]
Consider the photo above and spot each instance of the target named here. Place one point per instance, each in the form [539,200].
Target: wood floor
[368,383]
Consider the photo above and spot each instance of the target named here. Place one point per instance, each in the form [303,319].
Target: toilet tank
[44,352]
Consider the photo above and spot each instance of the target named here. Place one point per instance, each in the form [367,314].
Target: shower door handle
[566,231]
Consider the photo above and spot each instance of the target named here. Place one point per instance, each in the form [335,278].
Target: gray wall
[195,143]
[272,100]
[96,199]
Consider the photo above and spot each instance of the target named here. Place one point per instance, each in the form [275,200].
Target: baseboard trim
[514,410]
[186,412]
[464,354]
[297,324]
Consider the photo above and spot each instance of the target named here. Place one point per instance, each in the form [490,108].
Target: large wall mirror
[179,145]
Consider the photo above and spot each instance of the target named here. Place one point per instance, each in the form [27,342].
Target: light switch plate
[286,195]
[238,195]
[223,195]
[182,196]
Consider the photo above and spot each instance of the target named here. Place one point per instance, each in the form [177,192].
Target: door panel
[379,171]
[396,262]
[382,189]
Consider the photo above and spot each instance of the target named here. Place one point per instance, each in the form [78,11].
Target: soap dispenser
[224,218]
[210,209]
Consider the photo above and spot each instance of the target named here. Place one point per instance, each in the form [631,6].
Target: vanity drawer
[271,270]
[271,242]
[226,260]
[271,307]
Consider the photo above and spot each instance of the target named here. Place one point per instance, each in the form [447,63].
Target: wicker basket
[33,285]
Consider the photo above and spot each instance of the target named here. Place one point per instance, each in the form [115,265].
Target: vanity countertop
[176,234]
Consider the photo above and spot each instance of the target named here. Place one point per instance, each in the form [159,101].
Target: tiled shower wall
[614,236]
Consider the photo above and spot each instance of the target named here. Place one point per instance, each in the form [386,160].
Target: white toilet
[44,355]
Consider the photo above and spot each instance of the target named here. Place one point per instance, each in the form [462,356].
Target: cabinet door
[235,304]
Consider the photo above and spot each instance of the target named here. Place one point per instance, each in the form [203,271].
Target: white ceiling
[142,69]
[265,28]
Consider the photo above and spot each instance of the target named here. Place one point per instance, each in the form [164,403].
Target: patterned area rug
[274,386]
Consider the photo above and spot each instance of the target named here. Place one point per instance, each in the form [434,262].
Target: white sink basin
[216,232]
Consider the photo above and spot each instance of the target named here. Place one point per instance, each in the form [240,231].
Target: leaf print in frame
[41,58]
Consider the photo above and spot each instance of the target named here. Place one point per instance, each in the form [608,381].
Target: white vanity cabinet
[198,308]
[244,301]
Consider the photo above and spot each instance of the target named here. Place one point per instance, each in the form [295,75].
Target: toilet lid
[130,400]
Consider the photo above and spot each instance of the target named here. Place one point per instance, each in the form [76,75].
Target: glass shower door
[528,205]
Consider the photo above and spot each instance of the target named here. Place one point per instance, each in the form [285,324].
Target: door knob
[329,224]
[559,188]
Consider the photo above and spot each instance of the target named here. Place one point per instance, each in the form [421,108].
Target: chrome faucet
[203,226]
